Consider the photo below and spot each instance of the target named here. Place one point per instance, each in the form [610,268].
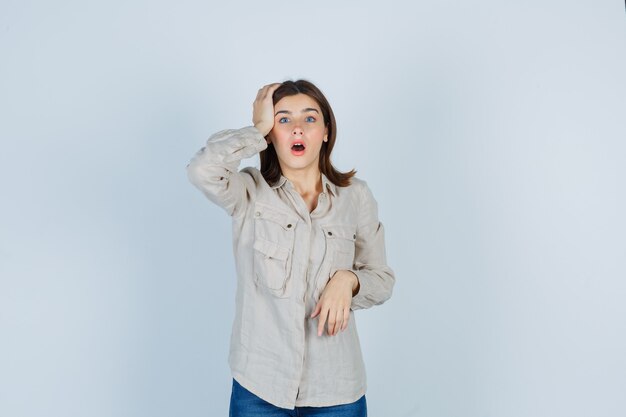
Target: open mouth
[298,147]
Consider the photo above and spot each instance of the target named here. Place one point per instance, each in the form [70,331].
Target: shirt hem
[250,386]
[350,400]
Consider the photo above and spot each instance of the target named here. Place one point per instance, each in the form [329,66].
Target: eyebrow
[303,111]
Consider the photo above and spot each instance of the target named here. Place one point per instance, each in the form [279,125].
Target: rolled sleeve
[376,278]
[214,168]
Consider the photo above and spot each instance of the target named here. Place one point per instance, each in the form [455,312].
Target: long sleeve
[214,168]
[376,278]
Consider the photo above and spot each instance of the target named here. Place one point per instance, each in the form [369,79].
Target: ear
[326,133]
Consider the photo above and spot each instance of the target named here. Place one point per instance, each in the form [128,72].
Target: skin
[300,117]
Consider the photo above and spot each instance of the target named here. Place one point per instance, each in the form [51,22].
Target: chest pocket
[340,241]
[274,234]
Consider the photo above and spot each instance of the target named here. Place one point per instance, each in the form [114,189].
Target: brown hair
[270,168]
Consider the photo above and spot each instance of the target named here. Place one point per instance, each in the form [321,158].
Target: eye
[283,120]
[310,119]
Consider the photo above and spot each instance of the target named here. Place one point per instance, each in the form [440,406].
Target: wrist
[348,277]
[263,129]
[355,283]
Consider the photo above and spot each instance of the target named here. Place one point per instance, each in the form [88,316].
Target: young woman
[309,250]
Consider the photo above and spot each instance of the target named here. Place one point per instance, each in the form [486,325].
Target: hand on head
[263,109]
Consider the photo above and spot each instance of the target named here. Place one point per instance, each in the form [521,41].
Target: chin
[300,164]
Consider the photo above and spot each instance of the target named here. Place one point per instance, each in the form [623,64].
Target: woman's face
[298,120]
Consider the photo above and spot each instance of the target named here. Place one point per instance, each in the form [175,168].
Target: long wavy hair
[270,168]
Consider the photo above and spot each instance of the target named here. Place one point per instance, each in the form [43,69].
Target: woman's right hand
[263,109]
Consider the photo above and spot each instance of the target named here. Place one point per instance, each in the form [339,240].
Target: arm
[369,284]
[214,168]
[375,278]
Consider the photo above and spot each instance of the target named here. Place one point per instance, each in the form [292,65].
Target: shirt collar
[281,181]
[326,184]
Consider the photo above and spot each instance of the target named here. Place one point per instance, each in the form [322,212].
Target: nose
[297,131]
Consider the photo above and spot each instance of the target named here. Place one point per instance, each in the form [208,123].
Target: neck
[305,181]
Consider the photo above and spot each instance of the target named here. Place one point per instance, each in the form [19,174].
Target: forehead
[296,103]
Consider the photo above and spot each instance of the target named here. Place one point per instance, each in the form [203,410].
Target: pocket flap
[266,212]
[340,231]
[271,249]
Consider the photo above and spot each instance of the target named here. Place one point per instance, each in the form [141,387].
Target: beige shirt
[284,257]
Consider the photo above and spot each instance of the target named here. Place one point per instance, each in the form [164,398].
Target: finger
[339,321]
[322,321]
[332,324]
[332,321]
[260,93]
[346,318]
[267,90]
[273,87]
[316,310]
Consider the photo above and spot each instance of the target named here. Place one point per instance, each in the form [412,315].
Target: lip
[297,153]
[297,141]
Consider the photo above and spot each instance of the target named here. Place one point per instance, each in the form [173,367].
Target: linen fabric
[284,256]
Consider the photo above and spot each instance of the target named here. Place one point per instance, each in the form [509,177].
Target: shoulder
[359,197]
[361,189]
[254,183]
[358,183]
[254,177]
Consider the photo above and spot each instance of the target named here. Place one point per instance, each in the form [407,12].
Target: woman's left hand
[334,303]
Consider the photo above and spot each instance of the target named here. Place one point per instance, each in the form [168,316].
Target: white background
[492,134]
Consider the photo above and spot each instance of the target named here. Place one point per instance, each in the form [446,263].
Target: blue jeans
[243,403]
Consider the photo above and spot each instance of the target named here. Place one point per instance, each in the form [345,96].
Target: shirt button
[354,236]
[289,226]
[257,214]
[330,233]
